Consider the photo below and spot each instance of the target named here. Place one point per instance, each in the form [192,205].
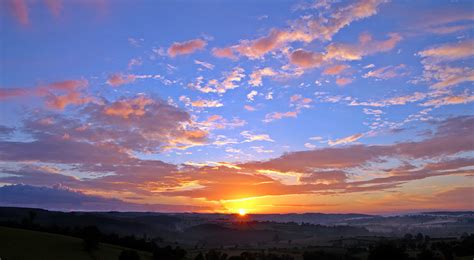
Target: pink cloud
[188,47]
[129,107]
[118,79]
[279,115]
[224,53]
[335,70]
[366,46]
[19,9]
[57,95]
[387,72]
[343,81]
[346,140]
[306,59]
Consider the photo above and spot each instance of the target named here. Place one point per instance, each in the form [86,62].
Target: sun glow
[242,212]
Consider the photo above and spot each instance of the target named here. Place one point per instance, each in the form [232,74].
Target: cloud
[224,53]
[218,122]
[366,46]
[251,95]
[346,140]
[323,170]
[64,199]
[387,72]
[257,75]
[279,115]
[450,100]
[257,48]
[61,101]
[300,102]
[343,81]
[134,63]
[138,124]
[437,68]
[250,137]
[441,21]
[187,47]
[206,103]
[57,95]
[118,79]
[128,107]
[307,30]
[204,64]
[229,81]
[20,10]
[325,177]
[306,59]
[448,52]
[249,108]
[336,69]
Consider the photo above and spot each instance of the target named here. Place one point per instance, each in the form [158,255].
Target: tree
[387,251]
[91,237]
[129,255]
[199,257]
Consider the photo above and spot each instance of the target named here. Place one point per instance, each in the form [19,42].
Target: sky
[215,106]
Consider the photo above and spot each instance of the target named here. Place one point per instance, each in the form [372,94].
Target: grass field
[18,244]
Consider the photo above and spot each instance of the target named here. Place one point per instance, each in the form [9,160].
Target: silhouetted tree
[387,251]
[215,255]
[168,253]
[129,255]
[199,257]
[91,237]
[427,255]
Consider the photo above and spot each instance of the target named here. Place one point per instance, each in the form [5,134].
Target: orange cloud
[229,81]
[454,51]
[450,100]
[336,69]
[346,140]
[257,48]
[366,46]
[306,59]
[71,98]
[58,94]
[129,107]
[206,103]
[343,81]
[188,47]
[224,53]
[307,30]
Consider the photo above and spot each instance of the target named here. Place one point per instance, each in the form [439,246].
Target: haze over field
[249,107]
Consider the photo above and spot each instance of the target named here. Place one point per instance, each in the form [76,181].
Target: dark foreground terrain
[40,234]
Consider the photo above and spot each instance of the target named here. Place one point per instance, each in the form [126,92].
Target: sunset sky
[216,106]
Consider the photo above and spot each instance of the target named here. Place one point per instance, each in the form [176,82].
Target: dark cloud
[60,198]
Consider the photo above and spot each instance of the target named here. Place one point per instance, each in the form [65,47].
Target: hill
[26,244]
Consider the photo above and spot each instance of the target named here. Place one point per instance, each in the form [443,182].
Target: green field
[18,244]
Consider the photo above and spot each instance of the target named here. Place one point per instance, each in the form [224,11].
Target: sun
[242,212]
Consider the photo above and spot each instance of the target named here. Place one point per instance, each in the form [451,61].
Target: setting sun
[242,212]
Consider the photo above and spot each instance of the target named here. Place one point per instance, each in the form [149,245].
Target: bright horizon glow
[360,106]
[242,212]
